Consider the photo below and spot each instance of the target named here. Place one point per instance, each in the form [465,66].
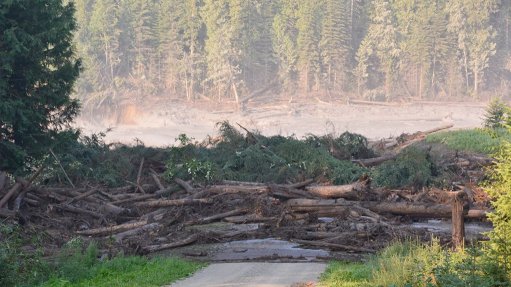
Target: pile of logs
[150,215]
[154,217]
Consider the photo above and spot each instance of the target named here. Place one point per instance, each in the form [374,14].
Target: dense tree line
[226,49]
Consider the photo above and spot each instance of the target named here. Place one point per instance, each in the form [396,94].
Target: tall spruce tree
[380,47]
[37,71]
[335,45]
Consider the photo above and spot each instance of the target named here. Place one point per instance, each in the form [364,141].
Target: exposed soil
[159,124]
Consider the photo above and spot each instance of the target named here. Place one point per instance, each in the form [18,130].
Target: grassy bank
[484,141]
[127,271]
[79,264]
[411,264]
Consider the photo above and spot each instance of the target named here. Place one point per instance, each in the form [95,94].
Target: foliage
[474,140]
[412,167]
[341,274]
[267,159]
[77,266]
[226,48]
[428,265]
[38,69]
[19,267]
[497,115]
[413,264]
[500,193]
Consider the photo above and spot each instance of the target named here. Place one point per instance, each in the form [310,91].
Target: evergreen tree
[308,26]
[335,45]
[284,43]
[38,69]
[380,47]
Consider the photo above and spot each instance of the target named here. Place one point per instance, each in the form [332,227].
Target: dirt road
[255,275]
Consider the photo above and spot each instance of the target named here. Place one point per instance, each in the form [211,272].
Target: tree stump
[458,223]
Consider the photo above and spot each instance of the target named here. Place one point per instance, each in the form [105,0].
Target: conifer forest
[227,50]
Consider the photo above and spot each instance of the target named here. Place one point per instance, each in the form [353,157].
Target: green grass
[341,274]
[474,140]
[414,264]
[131,271]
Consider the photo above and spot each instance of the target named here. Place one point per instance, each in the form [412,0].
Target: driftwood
[336,207]
[217,216]
[189,240]
[147,196]
[13,191]
[173,202]
[137,231]
[349,191]
[112,229]
[156,179]
[185,185]
[238,189]
[409,139]
[251,218]
[17,187]
[84,195]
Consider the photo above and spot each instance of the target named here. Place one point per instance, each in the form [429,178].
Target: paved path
[254,275]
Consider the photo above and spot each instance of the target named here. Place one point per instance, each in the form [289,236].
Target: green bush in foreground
[500,192]
[412,264]
[19,267]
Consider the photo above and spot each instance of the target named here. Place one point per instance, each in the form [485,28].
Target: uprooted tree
[38,68]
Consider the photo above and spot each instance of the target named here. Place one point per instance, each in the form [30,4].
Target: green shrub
[500,193]
[497,115]
[411,168]
[17,266]
[413,264]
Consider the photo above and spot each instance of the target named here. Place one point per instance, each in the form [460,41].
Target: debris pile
[153,213]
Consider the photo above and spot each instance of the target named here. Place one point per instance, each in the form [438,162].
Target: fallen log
[288,192]
[238,189]
[340,206]
[147,196]
[217,216]
[333,246]
[189,240]
[173,202]
[74,209]
[349,191]
[13,191]
[84,195]
[156,180]
[6,213]
[137,231]
[185,185]
[251,218]
[241,183]
[112,229]
[300,184]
